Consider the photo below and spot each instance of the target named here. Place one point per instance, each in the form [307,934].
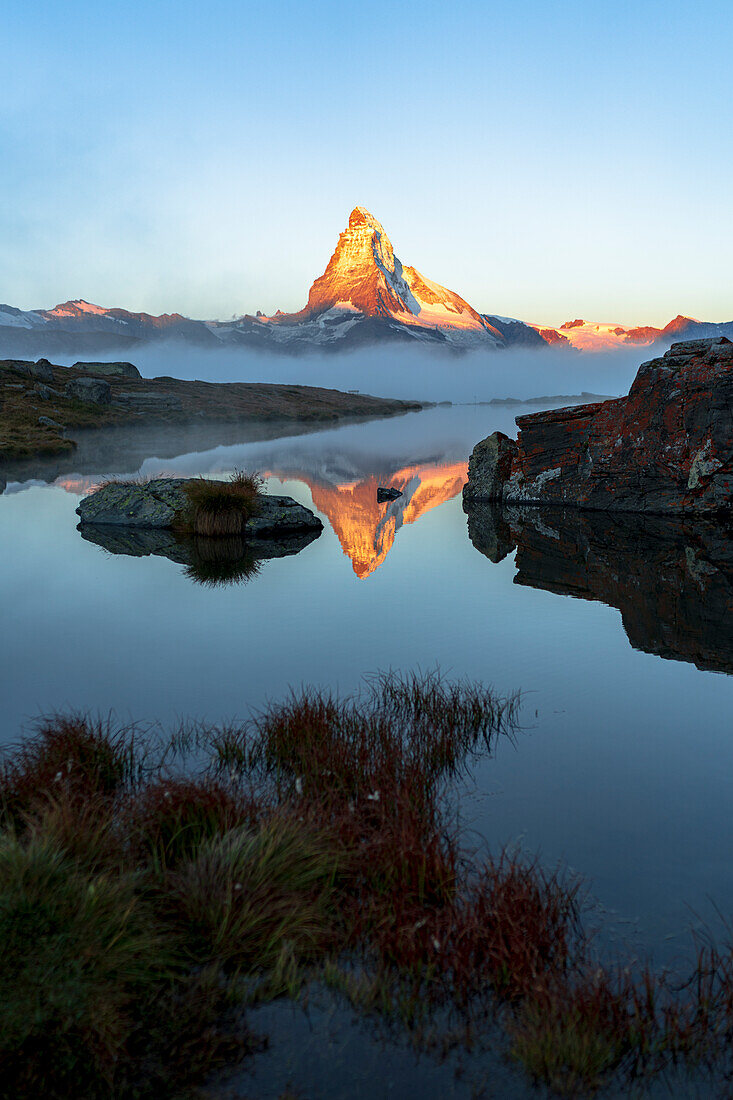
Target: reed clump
[221,509]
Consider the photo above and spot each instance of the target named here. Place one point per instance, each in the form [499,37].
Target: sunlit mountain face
[367,529]
[602,336]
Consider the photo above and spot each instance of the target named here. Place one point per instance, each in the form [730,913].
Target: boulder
[42,370]
[47,422]
[489,467]
[666,448]
[113,370]
[95,391]
[46,393]
[160,502]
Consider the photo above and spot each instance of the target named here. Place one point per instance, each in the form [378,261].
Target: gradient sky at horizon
[545,160]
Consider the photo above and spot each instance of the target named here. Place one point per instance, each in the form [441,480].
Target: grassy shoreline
[150,894]
[24,398]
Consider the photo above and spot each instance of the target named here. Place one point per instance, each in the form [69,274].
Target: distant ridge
[365,297]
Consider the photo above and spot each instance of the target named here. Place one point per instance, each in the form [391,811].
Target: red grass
[73,757]
[169,818]
[335,837]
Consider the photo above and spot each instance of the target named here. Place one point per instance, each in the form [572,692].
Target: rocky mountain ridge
[365,296]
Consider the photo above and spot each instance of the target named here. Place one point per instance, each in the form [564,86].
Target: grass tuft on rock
[218,509]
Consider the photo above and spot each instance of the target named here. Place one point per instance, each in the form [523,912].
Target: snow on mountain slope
[607,336]
[364,297]
[365,276]
[600,335]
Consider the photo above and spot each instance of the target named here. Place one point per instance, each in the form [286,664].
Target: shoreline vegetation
[40,402]
[153,889]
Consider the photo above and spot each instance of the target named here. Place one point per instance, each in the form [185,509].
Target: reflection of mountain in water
[366,529]
[672,581]
[344,489]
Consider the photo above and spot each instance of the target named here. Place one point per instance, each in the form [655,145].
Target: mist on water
[420,374]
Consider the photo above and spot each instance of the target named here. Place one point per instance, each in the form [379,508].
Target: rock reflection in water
[213,562]
[671,580]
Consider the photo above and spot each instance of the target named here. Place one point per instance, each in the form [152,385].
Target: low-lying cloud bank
[419,374]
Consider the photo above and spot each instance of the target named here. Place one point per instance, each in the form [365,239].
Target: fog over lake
[393,370]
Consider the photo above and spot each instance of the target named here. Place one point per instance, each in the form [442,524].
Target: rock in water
[159,504]
[384,495]
[665,448]
[93,390]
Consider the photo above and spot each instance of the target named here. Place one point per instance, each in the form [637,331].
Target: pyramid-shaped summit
[364,279]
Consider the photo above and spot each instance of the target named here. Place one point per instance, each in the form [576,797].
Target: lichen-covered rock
[153,504]
[159,504]
[94,390]
[665,448]
[489,467]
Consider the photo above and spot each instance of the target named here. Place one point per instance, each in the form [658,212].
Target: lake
[617,634]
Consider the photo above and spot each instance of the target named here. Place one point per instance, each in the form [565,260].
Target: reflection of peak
[366,529]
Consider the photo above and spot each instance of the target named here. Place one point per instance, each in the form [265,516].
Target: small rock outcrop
[42,370]
[158,504]
[113,370]
[666,448]
[93,390]
[385,495]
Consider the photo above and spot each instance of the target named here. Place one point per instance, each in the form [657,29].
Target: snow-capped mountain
[605,336]
[77,326]
[366,293]
[365,296]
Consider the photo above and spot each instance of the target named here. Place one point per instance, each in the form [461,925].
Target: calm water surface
[624,767]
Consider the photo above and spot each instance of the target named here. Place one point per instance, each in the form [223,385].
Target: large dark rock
[671,578]
[93,390]
[158,504]
[489,467]
[665,448]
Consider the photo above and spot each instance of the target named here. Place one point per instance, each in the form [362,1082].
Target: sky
[547,160]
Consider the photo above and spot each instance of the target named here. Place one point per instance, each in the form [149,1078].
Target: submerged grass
[142,909]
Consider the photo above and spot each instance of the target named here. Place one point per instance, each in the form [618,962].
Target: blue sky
[547,160]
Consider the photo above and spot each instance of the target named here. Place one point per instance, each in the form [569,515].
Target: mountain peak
[74,308]
[361,216]
[364,276]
